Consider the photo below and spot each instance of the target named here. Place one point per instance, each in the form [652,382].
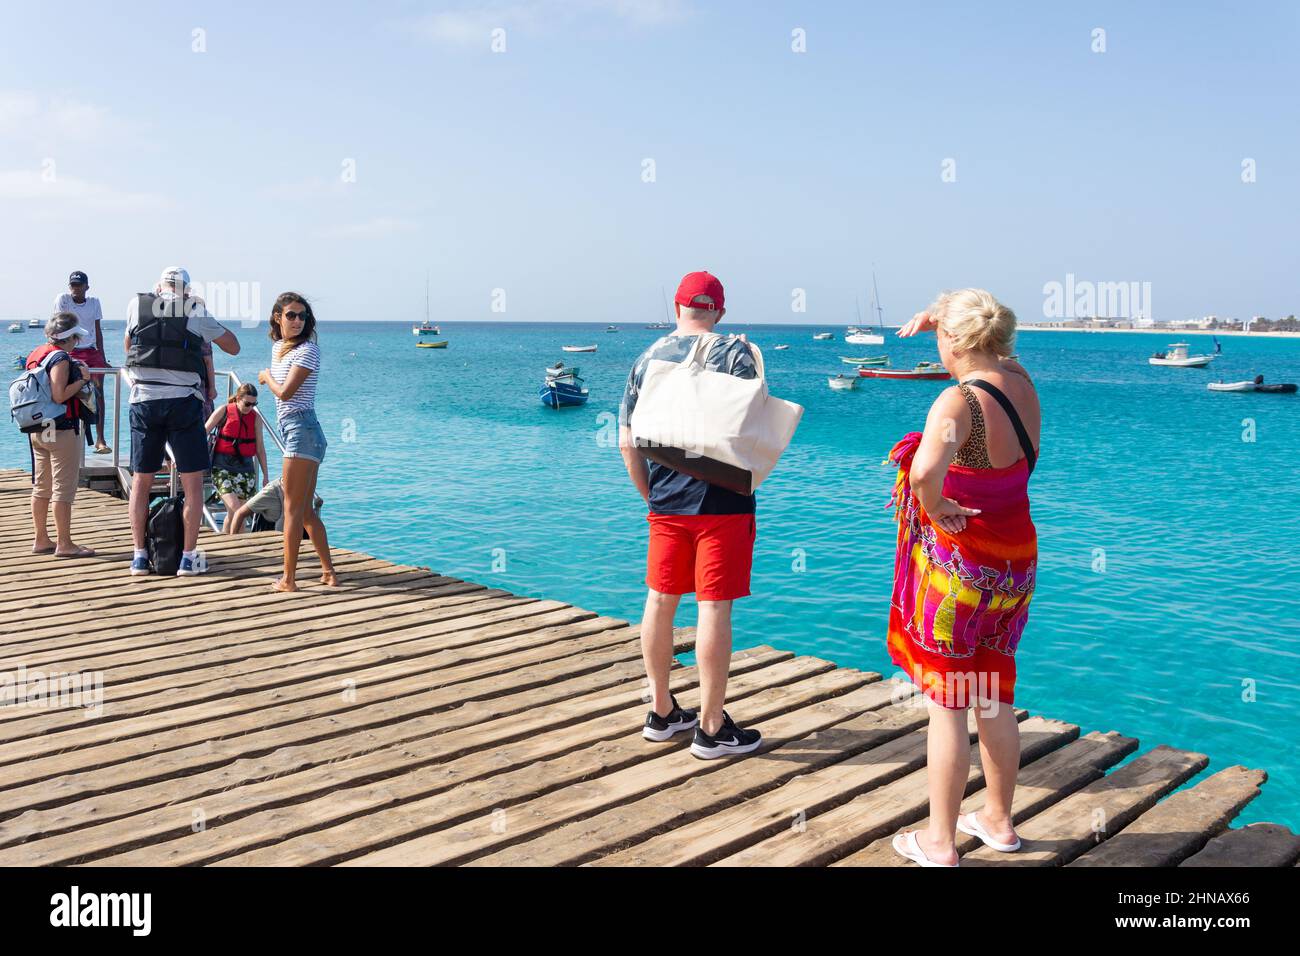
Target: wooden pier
[411,718]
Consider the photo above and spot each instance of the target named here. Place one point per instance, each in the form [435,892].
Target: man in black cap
[89,315]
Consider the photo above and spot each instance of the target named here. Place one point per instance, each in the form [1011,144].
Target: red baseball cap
[700,283]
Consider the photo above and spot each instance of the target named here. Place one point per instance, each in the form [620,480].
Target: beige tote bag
[725,430]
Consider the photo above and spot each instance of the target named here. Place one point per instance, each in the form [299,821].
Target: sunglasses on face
[248,406]
[294,316]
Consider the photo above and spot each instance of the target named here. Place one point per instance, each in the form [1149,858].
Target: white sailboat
[857,335]
[426,327]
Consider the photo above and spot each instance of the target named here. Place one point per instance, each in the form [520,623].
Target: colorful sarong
[960,601]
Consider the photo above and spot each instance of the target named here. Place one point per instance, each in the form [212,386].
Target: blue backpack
[31,398]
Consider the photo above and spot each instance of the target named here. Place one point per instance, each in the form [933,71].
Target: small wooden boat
[823,336]
[842,382]
[779,348]
[578,348]
[865,360]
[926,371]
[432,345]
[563,392]
[1176,356]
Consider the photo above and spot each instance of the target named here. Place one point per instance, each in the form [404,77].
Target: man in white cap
[166,331]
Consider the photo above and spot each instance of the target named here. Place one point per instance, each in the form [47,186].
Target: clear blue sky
[522,170]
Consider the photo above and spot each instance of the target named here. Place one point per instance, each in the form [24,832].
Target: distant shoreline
[1168,333]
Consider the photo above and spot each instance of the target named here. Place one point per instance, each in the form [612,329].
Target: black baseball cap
[78,277]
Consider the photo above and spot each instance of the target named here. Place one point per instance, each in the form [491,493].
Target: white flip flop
[970,824]
[910,849]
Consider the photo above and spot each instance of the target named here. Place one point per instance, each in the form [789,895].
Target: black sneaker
[729,741]
[662,728]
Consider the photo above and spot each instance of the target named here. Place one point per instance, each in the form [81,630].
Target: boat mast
[668,313]
[857,308]
[426,298]
[875,297]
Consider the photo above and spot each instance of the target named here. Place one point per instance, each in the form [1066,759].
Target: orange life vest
[237,436]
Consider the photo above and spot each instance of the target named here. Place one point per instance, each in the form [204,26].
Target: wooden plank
[520,646]
[825,836]
[467,821]
[1039,785]
[168,641]
[1257,844]
[1071,827]
[478,740]
[626,825]
[111,742]
[1181,824]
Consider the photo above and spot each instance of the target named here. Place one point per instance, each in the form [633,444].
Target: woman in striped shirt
[295,363]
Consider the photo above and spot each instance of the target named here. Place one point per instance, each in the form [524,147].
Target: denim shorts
[303,436]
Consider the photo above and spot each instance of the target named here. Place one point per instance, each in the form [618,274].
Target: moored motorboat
[865,360]
[16,327]
[1176,357]
[611,328]
[562,391]
[1282,388]
[823,336]
[34,323]
[19,363]
[560,370]
[779,348]
[842,382]
[440,344]
[1231,386]
[578,348]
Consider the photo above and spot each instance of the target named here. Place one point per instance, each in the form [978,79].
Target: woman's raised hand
[950,517]
[921,322]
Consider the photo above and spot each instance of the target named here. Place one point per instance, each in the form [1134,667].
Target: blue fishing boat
[562,389]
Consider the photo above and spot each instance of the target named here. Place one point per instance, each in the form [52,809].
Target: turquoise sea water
[1165,512]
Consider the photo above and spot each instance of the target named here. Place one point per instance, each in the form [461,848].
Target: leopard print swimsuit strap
[974,452]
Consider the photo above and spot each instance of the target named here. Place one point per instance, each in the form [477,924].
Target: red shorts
[708,554]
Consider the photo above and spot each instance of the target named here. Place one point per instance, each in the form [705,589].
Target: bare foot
[943,855]
[1000,830]
[284,586]
[329,578]
[76,551]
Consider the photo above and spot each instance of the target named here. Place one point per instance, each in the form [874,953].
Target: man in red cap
[701,541]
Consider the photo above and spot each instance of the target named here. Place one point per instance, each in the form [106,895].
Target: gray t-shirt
[180,384]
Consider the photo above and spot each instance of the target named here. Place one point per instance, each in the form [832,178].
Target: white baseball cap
[175,275]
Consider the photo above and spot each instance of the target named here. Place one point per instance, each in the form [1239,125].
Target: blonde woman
[965,566]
